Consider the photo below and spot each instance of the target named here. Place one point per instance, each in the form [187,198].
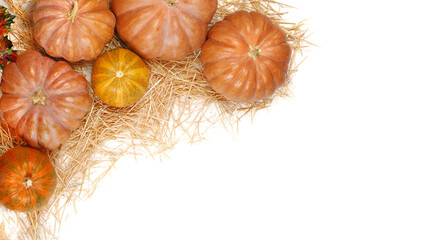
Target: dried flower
[6,53]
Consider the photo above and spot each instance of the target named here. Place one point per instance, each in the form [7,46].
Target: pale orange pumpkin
[73,29]
[246,57]
[43,100]
[164,29]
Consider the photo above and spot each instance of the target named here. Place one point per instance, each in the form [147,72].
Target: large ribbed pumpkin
[164,29]
[43,100]
[27,179]
[246,57]
[73,29]
[120,77]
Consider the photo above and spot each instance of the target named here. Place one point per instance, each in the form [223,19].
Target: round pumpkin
[43,100]
[164,29]
[246,57]
[120,77]
[73,29]
[27,179]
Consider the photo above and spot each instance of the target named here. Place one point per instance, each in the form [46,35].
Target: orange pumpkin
[119,77]
[246,57]
[43,100]
[73,29]
[27,179]
[164,29]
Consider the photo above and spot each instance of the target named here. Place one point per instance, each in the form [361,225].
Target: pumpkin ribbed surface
[246,57]
[43,100]
[120,77]
[73,29]
[164,29]
[27,179]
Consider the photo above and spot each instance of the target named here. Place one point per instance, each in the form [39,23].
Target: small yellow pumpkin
[120,78]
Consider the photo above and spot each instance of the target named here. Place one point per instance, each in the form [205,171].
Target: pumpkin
[43,100]
[27,179]
[73,29]
[164,29]
[246,57]
[119,77]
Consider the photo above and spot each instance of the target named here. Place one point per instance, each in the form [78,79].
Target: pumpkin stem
[27,182]
[38,98]
[171,3]
[119,74]
[255,52]
[71,15]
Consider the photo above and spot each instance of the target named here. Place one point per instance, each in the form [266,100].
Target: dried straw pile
[179,100]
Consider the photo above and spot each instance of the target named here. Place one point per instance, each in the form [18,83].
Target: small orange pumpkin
[27,179]
[246,57]
[73,29]
[120,77]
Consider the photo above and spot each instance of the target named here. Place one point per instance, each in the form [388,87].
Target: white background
[339,160]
